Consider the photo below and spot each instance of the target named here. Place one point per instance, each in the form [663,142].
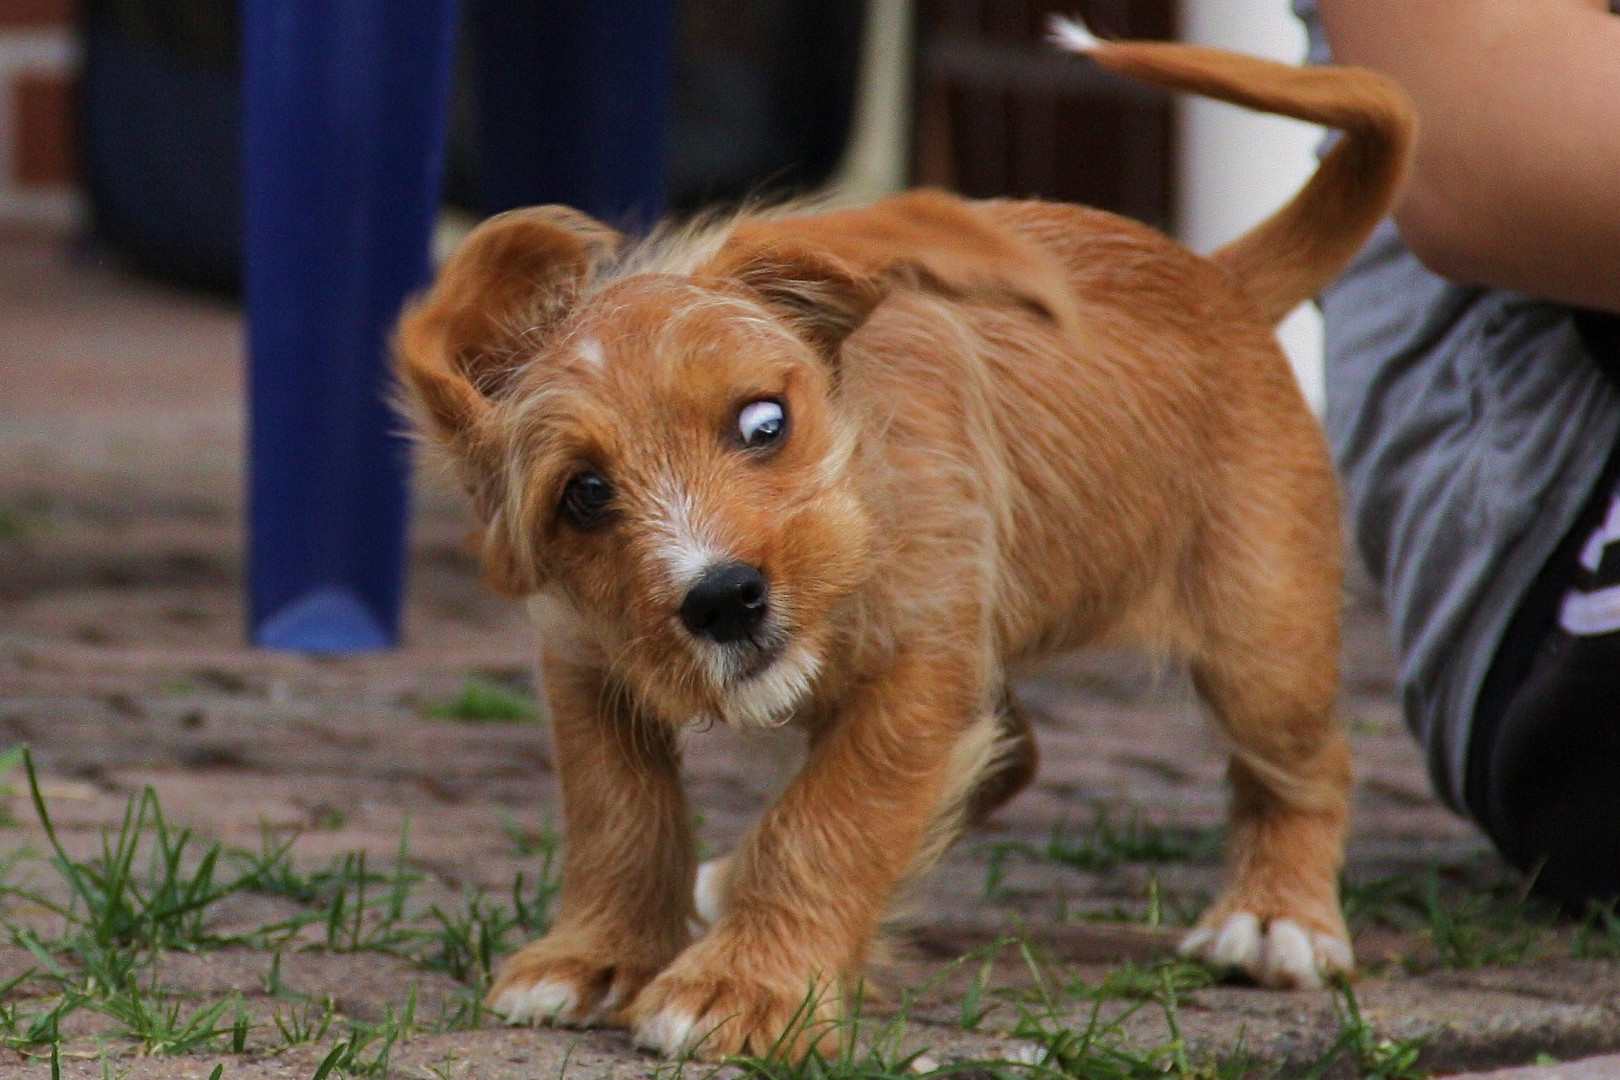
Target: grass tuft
[10,761]
[1147,982]
[1598,935]
[1467,924]
[154,888]
[23,519]
[1373,1057]
[485,701]
[1105,845]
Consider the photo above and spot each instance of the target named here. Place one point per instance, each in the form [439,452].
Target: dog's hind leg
[1267,665]
[1016,758]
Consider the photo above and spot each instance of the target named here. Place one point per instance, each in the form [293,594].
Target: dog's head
[659,458]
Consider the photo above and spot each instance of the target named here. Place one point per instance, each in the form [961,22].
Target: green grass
[864,1048]
[365,1049]
[1072,1031]
[1079,1032]
[24,518]
[1146,982]
[486,701]
[1108,843]
[1104,845]
[1598,935]
[1468,924]
[545,842]
[10,761]
[1373,1057]
[164,1023]
[155,888]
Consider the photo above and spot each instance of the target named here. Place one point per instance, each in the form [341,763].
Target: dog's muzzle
[727,605]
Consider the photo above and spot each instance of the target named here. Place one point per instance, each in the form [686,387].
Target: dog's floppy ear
[504,289]
[500,295]
[823,298]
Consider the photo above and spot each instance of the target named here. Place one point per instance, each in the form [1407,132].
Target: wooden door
[1000,112]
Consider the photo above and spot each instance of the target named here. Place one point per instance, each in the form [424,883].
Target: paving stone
[1603,1067]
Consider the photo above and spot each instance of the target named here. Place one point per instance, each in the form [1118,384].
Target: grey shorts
[1471,428]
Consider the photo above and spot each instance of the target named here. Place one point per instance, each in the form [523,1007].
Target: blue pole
[346,106]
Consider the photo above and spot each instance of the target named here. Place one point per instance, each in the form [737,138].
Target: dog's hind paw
[1279,953]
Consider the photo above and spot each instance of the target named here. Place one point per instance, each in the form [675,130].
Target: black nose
[727,605]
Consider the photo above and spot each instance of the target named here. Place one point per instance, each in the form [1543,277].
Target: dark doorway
[999,112]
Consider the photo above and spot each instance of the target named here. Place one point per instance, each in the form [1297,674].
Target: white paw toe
[669,1031]
[1333,955]
[1192,946]
[1282,954]
[1287,957]
[1237,943]
[546,1002]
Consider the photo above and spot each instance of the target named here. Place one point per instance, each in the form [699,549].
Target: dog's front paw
[543,983]
[714,1013]
[1277,952]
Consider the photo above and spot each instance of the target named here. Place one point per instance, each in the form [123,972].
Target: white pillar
[1237,166]
[877,158]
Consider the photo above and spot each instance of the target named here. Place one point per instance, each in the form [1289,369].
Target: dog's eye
[761,423]
[585,500]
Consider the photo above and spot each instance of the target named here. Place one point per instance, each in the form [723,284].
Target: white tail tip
[1071,35]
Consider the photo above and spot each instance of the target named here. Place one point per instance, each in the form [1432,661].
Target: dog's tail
[1290,256]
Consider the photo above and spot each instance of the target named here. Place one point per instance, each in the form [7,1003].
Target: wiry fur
[1013,428]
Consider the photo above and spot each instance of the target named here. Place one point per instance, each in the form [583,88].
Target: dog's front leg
[808,886]
[629,865]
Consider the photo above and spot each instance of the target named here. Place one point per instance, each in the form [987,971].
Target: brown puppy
[838,470]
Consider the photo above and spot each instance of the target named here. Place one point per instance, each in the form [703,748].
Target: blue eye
[761,423]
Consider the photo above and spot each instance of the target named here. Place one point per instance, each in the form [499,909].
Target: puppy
[838,470]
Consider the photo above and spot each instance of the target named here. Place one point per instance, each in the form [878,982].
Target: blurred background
[159,159]
[119,120]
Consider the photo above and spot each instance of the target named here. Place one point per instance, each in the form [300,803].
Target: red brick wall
[45,153]
[36,13]
[38,128]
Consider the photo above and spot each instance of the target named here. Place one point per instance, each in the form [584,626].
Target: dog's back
[1100,358]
